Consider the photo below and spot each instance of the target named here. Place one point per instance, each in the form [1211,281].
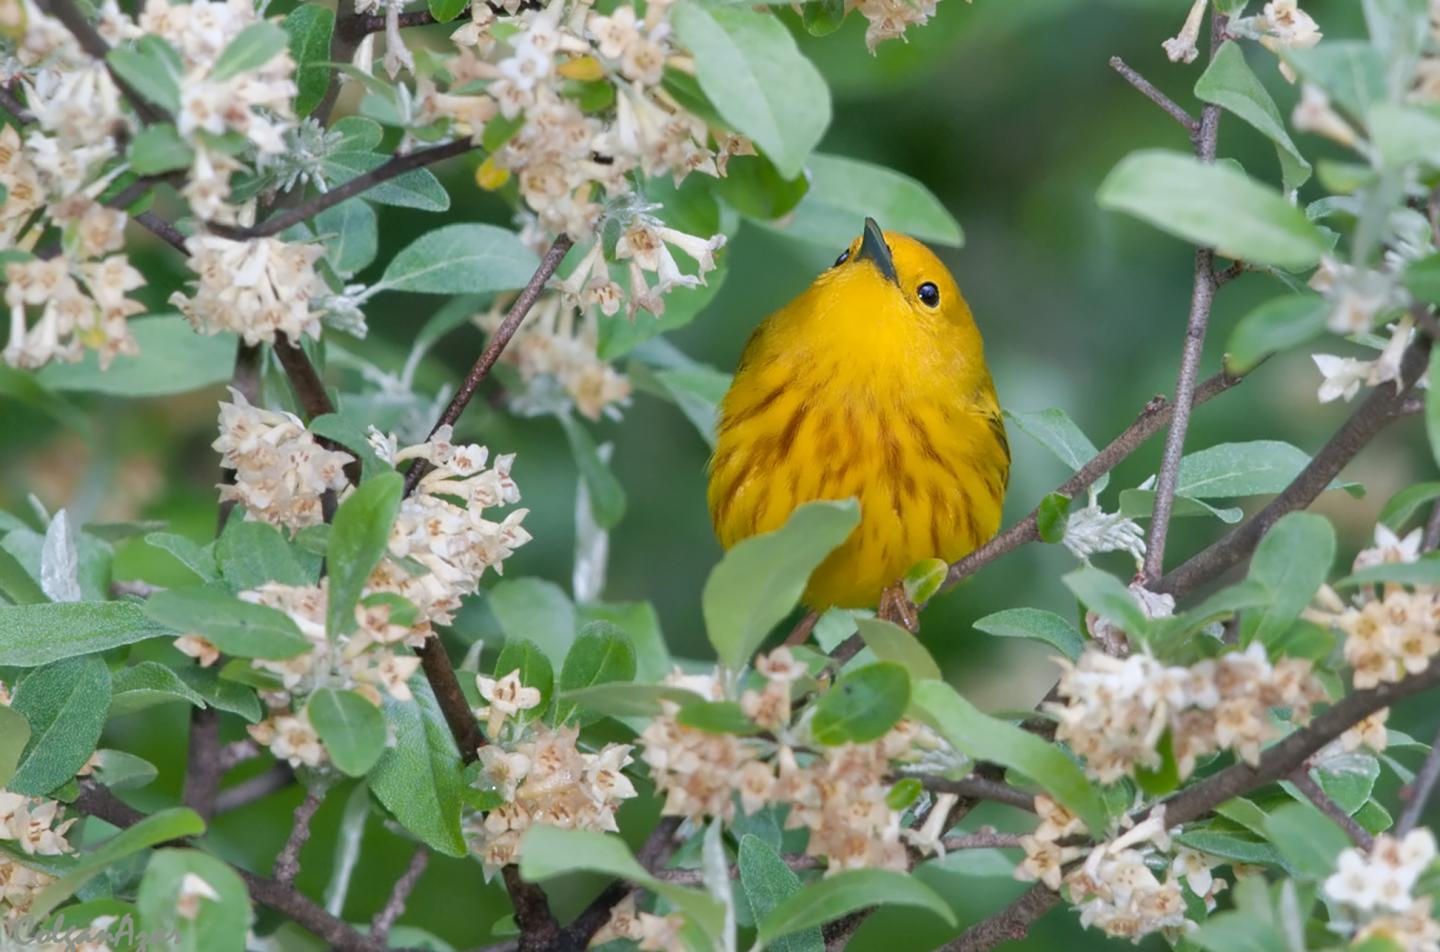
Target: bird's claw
[895,606]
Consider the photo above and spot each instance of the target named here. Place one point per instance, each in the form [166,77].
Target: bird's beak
[873,248]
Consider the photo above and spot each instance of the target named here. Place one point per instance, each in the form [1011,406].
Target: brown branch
[90,40]
[1368,419]
[258,787]
[203,765]
[494,347]
[309,389]
[287,863]
[97,801]
[1148,90]
[343,43]
[399,894]
[163,230]
[1417,795]
[453,703]
[395,166]
[651,856]
[1306,784]
[1431,539]
[983,840]
[979,788]
[538,928]
[1009,924]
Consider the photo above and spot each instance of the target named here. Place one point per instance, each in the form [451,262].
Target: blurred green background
[1007,110]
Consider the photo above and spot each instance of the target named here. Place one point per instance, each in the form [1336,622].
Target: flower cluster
[78,304]
[1116,710]
[1377,887]
[366,660]
[34,825]
[442,525]
[545,778]
[556,347]
[888,19]
[1390,635]
[1281,24]
[258,288]
[280,471]
[838,793]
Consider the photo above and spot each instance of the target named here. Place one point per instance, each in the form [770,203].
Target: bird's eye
[844,257]
[929,294]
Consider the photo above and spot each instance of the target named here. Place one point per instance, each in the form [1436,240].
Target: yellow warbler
[873,384]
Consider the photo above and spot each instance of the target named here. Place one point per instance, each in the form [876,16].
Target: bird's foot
[895,606]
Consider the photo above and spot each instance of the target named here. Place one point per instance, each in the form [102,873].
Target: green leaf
[1103,593]
[1277,325]
[199,560]
[1404,134]
[1140,504]
[158,149]
[65,704]
[152,67]
[1432,406]
[157,828]
[620,699]
[446,10]
[1213,205]
[763,87]
[534,609]
[716,717]
[906,792]
[1307,839]
[418,188]
[759,580]
[524,656]
[755,188]
[220,925]
[419,779]
[1054,430]
[359,535]
[309,27]
[14,735]
[607,496]
[640,623]
[1406,502]
[982,737]
[350,434]
[1052,516]
[172,359]
[147,684]
[547,852]
[1422,278]
[1227,470]
[834,896]
[17,584]
[250,554]
[1424,572]
[601,654]
[1037,625]
[924,578]
[222,694]
[350,234]
[352,729]
[863,705]
[236,627]
[357,134]
[118,770]
[822,17]
[1292,561]
[1351,72]
[32,635]
[767,882]
[843,192]
[461,259]
[890,642]
[1228,82]
[1238,932]
[256,45]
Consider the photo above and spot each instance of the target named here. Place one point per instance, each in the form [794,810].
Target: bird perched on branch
[872,384]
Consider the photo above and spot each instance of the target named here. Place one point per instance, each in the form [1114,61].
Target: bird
[871,384]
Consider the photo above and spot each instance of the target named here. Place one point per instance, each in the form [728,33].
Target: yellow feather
[859,388]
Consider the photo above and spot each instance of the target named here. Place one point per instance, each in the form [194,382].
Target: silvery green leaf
[716,867]
[59,562]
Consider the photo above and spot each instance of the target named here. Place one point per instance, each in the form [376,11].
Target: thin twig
[979,788]
[453,703]
[309,389]
[494,347]
[397,165]
[258,787]
[984,840]
[163,230]
[287,863]
[344,40]
[1148,90]
[96,800]
[1419,790]
[238,752]
[1369,418]
[1306,784]
[399,894]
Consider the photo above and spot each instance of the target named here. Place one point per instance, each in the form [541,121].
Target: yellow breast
[849,391]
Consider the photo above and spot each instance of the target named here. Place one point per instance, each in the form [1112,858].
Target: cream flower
[507,697]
